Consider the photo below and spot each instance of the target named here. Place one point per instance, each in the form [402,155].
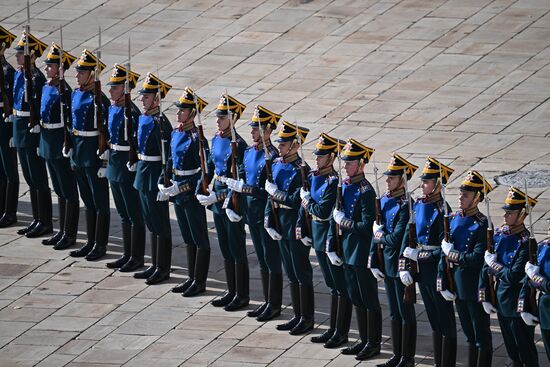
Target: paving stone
[66,323]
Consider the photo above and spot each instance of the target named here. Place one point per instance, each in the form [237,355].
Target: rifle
[67,142]
[165,168]
[532,298]
[204,167]
[98,102]
[490,290]
[409,296]
[447,236]
[128,120]
[34,118]
[378,217]
[234,152]
[305,186]
[269,173]
[337,239]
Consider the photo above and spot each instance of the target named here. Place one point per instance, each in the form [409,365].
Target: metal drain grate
[535,179]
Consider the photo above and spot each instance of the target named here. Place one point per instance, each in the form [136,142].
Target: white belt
[120,148]
[59,125]
[21,113]
[186,172]
[85,133]
[429,248]
[149,158]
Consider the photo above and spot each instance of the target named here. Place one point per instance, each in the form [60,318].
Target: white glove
[270,187]
[104,156]
[446,247]
[488,307]
[304,194]
[222,179]
[334,259]
[529,319]
[172,190]
[67,154]
[406,278]
[10,118]
[35,129]
[162,189]
[448,295]
[233,217]
[531,270]
[234,184]
[490,258]
[131,167]
[338,216]
[411,253]
[377,274]
[207,199]
[377,227]
[273,234]
[306,241]
[162,196]
[101,172]
[10,143]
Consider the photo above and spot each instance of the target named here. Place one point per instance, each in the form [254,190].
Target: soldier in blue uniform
[318,202]
[394,212]
[252,186]
[468,241]
[230,227]
[285,192]
[429,214]
[507,265]
[154,147]
[26,140]
[185,172]
[538,277]
[9,177]
[52,133]
[126,198]
[355,219]
[88,167]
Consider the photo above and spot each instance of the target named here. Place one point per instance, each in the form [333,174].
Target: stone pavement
[467,81]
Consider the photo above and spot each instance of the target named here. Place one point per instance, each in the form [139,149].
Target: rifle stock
[132,153]
[532,299]
[410,291]
[27,67]
[235,175]
[204,168]
[448,266]
[490,290]
[379,246]
[305,186]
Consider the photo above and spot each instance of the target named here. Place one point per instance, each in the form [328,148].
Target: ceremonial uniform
[507,265]
[52,134]
[231,234]
[9,176]
[94,190]
[121,179]
[255,199]
[355,219]
[428,215]
[153,141]
[191,215]
[388,235]
[317,206]
[285,192]
[26,141]
[465,249]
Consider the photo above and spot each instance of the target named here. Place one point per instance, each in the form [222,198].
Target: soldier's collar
[185,127]
[225,133]
[512,230]
[397,193]
[357,178]
[87,87]
[153,111]
[432,198]
[325,171]
[290,158]
[470,212]
[53,81]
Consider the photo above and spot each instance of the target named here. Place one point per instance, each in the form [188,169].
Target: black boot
[9,217]
[35,215]
[70,229]
[296,307]
[230,280]
[265,290]
[374,332]
[164,260]
[137,250]
[361,314]
[62,206]
[408,345]
[437,340]
[343,320]
[307,308]
[202,264]
[151,269]
[396,345]
[484,357]
[275,298]
[448,352]
[242,294]
[127,247]
[191,259]
[44,225]
[472,355]
[324,337]
[91,217]
[101,237]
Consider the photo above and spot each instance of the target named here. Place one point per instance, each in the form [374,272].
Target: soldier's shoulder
[278,160]
[365,186]
[481,218]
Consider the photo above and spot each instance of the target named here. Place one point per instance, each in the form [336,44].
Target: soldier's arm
[364,225]
[482,284]
[331,240]
[436,236]
[395,239]
[472,259]
[268,213]
[373,256]
[516,272]
[290,198]
[323,209]
[300,222]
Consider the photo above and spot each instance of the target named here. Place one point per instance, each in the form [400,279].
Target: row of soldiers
[359,236]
